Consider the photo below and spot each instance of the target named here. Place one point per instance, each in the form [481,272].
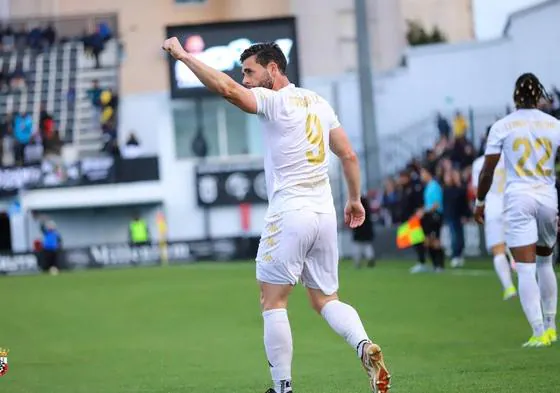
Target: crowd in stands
[450,160]
[23,142]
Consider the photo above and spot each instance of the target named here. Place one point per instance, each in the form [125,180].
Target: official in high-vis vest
[138,232]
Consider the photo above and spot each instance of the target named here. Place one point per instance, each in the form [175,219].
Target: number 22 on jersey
[529,149]
[314,133]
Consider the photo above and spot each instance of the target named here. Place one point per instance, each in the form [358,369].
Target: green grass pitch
[198,328]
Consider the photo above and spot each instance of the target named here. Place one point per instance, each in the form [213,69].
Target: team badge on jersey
[3,361]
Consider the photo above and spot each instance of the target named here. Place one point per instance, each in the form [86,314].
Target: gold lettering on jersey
[516,124]
[544,144]
[304,102]
[538,124]
[314,133]
[544,125]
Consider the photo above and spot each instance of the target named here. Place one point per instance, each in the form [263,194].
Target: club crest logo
[3,361]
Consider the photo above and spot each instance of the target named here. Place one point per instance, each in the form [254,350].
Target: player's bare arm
[484,183]
[354,212]
[216,81]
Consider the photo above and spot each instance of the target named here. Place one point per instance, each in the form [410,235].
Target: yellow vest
[139,231]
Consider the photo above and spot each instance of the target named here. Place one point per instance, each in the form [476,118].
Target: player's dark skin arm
[484,183]
[487,175]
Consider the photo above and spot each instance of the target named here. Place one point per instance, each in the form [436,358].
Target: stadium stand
[48,78]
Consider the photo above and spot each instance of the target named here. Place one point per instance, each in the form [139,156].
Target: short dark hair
[265,54]
[528,91]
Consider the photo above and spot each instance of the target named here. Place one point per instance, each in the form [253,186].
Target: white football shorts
[531,219]
[494,232]
[300,245]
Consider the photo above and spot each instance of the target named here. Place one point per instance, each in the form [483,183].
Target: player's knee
[499,249]
[319,300]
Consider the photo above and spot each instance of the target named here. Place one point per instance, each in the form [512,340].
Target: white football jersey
[494,203]
[296,126]
[529,139]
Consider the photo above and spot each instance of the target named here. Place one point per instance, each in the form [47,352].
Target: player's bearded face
[266,80]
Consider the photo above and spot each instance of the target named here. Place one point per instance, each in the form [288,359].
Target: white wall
[446,77]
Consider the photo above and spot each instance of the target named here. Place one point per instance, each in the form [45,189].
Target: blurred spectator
[138,232]
[443,126]
[104,31]
[455,212]
[8,39]
[460,125]
[108,106]
[132,147]
[94,95]
[23,130]
[431,160]
[53,148]
[49,35]
[109,138]
[46,123]
[94,44]
[364,236]
[462,153]
[35,38]
[391,201]
[52,244]
[21,38]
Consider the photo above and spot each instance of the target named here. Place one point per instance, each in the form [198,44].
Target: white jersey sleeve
[495,141]
[267,102]
[333,122]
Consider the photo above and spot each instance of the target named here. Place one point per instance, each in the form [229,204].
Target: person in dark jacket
[364,237]
[455,211]
[412,200]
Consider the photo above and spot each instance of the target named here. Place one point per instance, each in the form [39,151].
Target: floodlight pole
[365,80]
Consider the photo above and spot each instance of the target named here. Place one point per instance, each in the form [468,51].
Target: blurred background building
[98,125]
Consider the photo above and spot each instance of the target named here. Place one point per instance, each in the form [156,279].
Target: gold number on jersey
[546,145]
[528,149]
[314,133]
[500,176]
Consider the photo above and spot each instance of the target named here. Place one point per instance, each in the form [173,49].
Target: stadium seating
[60,77]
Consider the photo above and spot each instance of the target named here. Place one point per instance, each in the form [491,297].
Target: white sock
[345,321]
[501,265]
[279,349]
[530,296]
[549,290]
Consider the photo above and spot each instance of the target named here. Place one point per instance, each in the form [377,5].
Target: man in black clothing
[412,200]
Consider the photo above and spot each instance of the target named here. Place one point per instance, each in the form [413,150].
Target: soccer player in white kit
[299,242]
[529,140]
[494,224]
